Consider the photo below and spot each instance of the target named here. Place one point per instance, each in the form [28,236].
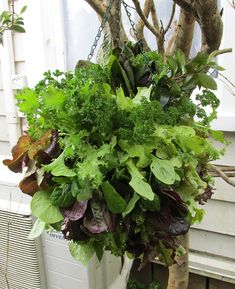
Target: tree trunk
[122,279]
[183,36]
[178,273]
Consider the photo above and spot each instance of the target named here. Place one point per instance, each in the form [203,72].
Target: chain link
[100,30]
[132,23]
[106,19]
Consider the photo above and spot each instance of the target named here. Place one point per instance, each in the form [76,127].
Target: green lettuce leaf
[82,253]
[115,202]
[143,152]
[163,171]
[138,183]
[43,209]
[131,204]
[58,168]
[62,196]
[38,228]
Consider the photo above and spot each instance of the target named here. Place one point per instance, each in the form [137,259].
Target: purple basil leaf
[94,221]
[95,225]
[166,222]
[75,212]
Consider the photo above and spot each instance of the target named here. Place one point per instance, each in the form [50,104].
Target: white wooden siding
[214,238]
[2,104]
[4,136]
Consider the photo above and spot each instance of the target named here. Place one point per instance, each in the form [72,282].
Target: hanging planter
[118,162]
[117,154]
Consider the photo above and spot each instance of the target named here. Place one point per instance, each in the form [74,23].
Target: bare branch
[171,19]
[171,42]
[184,5]
[223,175]
[144,19]
[222,51]
[228,80]
[183,34]
[211,24]
[154,17]
[147,7]
[232,4]
[160,40]
[140,25]
[98,6]
[225,168]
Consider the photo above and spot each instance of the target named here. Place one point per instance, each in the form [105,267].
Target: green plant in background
[133,284]
[11,21]
[117,155]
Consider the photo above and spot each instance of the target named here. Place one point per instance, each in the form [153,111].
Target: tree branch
[211,24]
[232,4]
[183,34]
[223,175]
[122,279]
[222,51]
[178,273]
[184,5]
[171,19]
[140,25]
[160,39]
[144,19]
[98,6]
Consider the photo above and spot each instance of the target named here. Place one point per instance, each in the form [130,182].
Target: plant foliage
[11,21]
[117,154]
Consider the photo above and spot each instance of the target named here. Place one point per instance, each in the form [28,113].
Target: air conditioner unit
[20,257]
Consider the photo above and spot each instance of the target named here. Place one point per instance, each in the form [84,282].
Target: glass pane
[81,26]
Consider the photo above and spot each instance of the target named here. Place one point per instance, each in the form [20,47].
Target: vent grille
[19,253]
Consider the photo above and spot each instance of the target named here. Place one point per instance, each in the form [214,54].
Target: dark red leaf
[166,222]
[54,149]
[94,220]
[73,230]
[174,200]
[203,198]
[76,212]
[29,185]
[19,154]
[95,225]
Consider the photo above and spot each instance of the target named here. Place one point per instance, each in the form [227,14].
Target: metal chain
[100,30]
[128,13]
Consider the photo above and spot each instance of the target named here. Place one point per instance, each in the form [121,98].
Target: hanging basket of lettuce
[116,155]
